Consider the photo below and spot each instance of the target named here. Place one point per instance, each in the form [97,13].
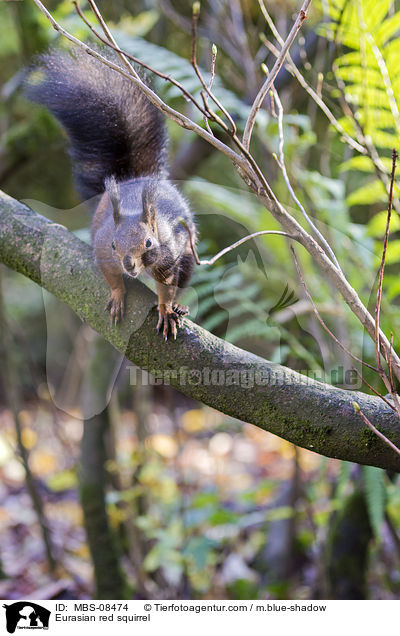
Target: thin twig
[374,390]
[173,114]
[262,93]
[282,166]
[195,17]
[204,94]
[110,37]
[374,429]
[212,260]
[136,60]
[390,364]
[292,68]
[324,325]
[382,265]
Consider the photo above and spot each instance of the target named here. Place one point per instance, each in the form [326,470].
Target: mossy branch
[310,414]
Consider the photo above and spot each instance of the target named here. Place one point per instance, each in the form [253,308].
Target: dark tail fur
[112,127]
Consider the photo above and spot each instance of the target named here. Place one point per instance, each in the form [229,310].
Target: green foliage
[369,75]
[369,69]
[9,37]
[366,69]
[375,494]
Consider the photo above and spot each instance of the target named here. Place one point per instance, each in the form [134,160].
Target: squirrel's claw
[170,320]
[116,307]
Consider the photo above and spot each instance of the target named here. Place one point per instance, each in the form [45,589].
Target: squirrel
[118,150]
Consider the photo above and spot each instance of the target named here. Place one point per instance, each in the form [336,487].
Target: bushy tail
[112,127]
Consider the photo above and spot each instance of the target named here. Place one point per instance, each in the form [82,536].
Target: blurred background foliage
[145,493]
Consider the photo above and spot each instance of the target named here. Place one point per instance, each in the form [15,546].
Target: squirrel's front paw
[116,306]
[169,318]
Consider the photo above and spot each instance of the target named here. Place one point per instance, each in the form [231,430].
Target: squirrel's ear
[149,207]
[113,191]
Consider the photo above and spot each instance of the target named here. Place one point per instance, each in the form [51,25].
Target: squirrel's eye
[148,243]
[113,245]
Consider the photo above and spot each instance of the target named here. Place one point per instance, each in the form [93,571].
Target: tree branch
[308,413]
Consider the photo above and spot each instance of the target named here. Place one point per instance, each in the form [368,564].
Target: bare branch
[195,17]
[262,93]
[226,250]
[173,114]
[364,381]
[282,166]
[374,429]
[382,266]
[204,94]
[110,37]
[318,315]
[136,60]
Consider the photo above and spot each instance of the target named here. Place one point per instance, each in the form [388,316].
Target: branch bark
[310,414]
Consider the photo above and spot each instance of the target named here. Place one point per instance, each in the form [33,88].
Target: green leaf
[223,517]
[205,499]
[392,286]
[140,24]
[64,480]
[198,549]
[280,513]
[375,494]
[387,29]
[360,162]
[372,192]
[383,139]
[357,74]
[377,225]
[393,252]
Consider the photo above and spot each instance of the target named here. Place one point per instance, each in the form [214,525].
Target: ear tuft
[113,191]
[149,204]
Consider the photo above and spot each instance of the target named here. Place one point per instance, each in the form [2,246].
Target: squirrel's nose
[128,263]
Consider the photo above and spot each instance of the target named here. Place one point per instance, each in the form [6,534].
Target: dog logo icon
[26,615]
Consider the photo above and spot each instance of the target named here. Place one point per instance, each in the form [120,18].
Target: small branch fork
[239,155]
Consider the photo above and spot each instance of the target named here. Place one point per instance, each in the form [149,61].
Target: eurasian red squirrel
[118,150]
